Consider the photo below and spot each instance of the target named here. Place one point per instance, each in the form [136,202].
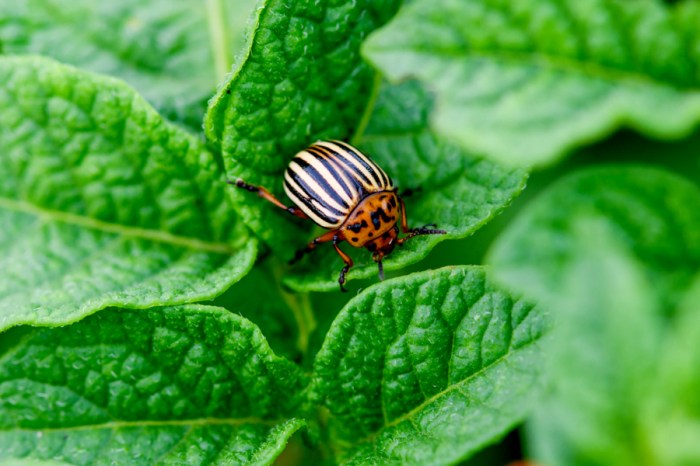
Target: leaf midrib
[107,227]
[169,423]
[537,60]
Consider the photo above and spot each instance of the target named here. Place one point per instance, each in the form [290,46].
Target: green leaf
[525,82]
[166,49]
[301,79]
[274,315]
[614,250]
[185,385]
[645,209]
[428,368]
[456,190]
[102,202]
[678,412]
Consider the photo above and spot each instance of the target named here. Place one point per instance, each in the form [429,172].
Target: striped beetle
[341,189]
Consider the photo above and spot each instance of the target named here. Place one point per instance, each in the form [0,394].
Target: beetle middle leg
[335,236]
[324,238]
[268,196]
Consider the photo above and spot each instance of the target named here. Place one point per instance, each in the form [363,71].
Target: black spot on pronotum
[393,201]
[375,219]
[354,240]
[356,227]
[370,234]
[379,216]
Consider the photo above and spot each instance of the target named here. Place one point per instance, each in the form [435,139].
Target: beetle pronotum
[341,189]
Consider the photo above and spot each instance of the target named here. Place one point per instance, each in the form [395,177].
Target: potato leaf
[102,202]
[187,385]
[524,82]
[428,368]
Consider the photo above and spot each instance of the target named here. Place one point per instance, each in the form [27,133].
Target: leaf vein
[125,230]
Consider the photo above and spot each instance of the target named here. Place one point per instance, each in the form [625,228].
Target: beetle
[342,190]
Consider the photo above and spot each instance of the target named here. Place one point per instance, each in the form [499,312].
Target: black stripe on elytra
[355,177]
[307,202]
[372,167]
[350,168]
[331,167]
[309,169]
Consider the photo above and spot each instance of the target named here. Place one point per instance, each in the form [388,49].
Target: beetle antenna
[381,269]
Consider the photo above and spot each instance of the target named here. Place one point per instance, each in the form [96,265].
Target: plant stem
[299,304]
[369,109]
[220,42]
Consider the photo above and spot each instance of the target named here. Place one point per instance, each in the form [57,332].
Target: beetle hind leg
[268,196]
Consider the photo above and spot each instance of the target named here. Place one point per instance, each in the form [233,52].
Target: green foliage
[161,47]
[625,255]
[395,367]
[302,80]
[141,325]
[189,385]
[114,207]
[525,82]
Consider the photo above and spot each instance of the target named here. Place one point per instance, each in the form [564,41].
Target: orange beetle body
[374,217]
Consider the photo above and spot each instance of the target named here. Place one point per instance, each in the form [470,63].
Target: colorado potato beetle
[341,189]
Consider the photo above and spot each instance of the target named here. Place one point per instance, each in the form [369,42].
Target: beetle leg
[348,264]
[411,232]
[420,231]
[267,195]
[330,236]
[404,222]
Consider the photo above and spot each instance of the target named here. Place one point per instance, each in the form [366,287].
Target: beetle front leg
[348,264]
[411,232]
[268,196]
